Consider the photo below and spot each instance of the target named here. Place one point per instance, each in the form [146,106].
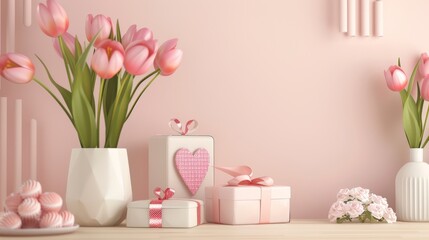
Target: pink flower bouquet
[358,204]
[117,60]
[412,108]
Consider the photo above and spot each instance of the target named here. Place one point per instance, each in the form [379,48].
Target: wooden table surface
[297,229]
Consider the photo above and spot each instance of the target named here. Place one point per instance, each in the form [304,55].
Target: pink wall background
[274,82]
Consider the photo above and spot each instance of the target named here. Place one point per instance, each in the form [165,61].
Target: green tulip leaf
[67,55]
[411,120]
[77,48]
[118,32]
[110,91]
[66,94]
[118,114]
[83,113]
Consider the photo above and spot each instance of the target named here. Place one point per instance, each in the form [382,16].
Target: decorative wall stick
[351,5]
[364,18]
[3,150]
[378,16]
[33,149]
[27,13]
[18,143]
[343,16]
[10,26]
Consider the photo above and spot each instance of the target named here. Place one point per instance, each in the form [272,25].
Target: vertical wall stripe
[18,143]
[10,26]
[27,13]
[3,150]
[33,149]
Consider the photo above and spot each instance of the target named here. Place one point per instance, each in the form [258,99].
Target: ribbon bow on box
[243,176]
[189,127]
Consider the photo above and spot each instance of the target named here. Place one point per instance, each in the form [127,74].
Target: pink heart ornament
[192,167]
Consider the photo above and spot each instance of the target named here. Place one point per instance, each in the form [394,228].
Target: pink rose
[361,194]
[377,210]
[390,216]
[354,208]
[337,210]
[343,195]
[379,200]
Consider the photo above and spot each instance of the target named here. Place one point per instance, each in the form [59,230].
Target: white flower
[337,211]
[390,216]
[343,195]
[378,199]
[377,210]
[360,193]
[354,208]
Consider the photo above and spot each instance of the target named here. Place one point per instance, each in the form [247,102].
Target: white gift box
[162,164]
[176,213]
[248,204]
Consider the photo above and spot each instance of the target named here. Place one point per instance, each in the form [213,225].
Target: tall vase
[412,189]
[98,186]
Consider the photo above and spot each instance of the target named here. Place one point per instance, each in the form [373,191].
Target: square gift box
[184,163]
[248,204]
[175,213]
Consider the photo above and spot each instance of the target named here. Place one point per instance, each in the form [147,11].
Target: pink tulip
[16,68]
[425,89]
[133,35]
[69,41]
[395,78]
[139,56]
[108,59]
[93,25]
[168,57]
[52,18]
[424,65]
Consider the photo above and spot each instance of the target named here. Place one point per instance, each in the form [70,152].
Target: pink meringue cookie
[31,189]
[12,202]
[68,218]
[30,209]
[30,223]
[51,202]
[51,220]
[10,220]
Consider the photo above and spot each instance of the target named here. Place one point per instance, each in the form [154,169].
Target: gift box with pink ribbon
[165,211]
[183,162]
[247,201]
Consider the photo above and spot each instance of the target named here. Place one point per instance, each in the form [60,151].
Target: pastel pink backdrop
[274,82]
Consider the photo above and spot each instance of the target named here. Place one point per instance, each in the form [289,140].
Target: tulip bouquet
[116,61]
[412,109]
[358,204]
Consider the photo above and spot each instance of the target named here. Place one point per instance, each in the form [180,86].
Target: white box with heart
[184,163]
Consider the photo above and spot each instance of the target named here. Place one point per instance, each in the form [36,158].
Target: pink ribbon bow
[243,176]
[155,206]
[189,127]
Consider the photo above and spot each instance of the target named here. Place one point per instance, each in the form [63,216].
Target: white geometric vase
[98,186]
[412,189]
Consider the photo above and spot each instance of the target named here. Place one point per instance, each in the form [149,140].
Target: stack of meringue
[30,208]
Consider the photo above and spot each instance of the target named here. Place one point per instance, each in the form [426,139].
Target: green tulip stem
[100,98]
[141,81]
[141,93]
[61,43]
[55,97]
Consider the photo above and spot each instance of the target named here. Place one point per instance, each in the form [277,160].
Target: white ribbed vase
[412,189]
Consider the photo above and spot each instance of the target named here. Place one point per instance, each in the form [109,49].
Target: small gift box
[165,212]
[247,201]
[183,162]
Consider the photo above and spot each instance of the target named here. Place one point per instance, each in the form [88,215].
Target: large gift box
[247,201]
[182,162]
[166,213]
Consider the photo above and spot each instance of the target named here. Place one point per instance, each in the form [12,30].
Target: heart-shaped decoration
[192,167]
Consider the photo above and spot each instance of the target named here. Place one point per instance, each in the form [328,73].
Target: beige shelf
[297,229]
